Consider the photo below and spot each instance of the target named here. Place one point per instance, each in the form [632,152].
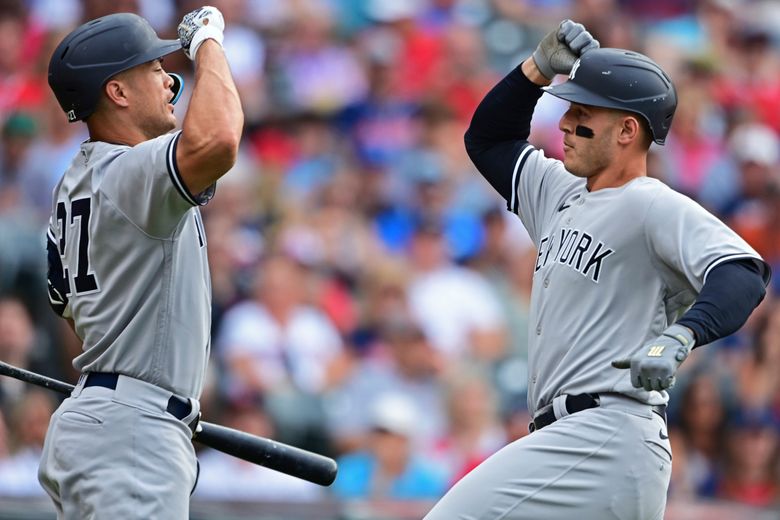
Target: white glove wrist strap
[204,33]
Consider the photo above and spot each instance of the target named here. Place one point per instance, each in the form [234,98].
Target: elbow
[224,149]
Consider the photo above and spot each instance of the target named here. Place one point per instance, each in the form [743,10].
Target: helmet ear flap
[177,88]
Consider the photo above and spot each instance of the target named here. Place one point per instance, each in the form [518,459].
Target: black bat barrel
[270,454]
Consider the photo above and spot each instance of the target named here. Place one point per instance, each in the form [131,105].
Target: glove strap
[684,336]
[204,33]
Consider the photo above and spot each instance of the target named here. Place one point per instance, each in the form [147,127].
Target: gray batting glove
[560,48]
[198,26]
[653,368]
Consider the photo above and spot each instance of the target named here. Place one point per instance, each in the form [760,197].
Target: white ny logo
[574,69]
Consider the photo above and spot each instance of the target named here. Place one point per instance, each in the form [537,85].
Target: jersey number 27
[84,281]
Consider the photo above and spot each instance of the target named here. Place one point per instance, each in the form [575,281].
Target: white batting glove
[198,26]
[653,367]
[561,47]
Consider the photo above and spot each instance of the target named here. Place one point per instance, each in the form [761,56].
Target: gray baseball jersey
[614,268]
[127,262]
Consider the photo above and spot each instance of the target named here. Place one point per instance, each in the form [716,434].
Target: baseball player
[629,275]
[127,262]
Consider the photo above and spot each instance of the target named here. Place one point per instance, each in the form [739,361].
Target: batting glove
[653,368]
[198,26]
[560,48]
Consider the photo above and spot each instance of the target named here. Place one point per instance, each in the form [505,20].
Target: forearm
[212,126]
[505,112]
[501,125]
[729,295]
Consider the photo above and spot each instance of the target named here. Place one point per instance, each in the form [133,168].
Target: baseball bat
[277,456]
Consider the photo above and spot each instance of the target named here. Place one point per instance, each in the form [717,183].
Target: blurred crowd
[370,292]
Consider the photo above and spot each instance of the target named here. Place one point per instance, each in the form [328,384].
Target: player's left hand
[653,367]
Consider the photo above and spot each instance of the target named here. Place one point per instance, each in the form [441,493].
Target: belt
[178,407]
[569,404]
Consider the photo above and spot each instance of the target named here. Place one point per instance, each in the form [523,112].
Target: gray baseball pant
[112,454]
[607,463]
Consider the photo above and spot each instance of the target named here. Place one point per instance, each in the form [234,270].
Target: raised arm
[212,126]
[501,124]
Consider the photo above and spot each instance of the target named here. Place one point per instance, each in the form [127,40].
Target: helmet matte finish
[97,50]
[622,80]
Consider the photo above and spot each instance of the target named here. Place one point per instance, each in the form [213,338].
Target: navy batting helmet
[94,52]
[623,80]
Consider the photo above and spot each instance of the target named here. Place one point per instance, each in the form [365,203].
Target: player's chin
[170,121]
[569,163]
[575,168]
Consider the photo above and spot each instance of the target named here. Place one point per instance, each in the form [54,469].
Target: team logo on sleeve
[576,249]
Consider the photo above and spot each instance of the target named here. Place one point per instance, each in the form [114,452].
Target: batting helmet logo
[574,69]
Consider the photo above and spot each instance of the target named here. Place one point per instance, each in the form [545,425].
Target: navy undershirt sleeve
[500,128]
[730,293]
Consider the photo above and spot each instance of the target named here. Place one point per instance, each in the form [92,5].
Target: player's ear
[116,91]
[629,129]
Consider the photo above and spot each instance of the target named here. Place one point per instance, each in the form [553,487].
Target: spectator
[19,131]
[245,50]
[507,261]
[475,431]
[698,438]
[389,468]
[695,143]
[750,473]
[320,74]
[20,345]
[30,420]
[759,386]
[464,77]
[383,290]
[20,89]
[419,53]
[455,305]
[277,346]
[738,183]
[757,151]
[49,157]
[407,366]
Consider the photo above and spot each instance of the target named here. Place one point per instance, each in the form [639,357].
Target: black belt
[178,407]
[578,403]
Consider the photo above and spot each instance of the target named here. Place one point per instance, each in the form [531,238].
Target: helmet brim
[574,93]
[157,51]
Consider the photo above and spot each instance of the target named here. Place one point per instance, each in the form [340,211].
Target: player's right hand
[655,365]
[561,47]
[198,26]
